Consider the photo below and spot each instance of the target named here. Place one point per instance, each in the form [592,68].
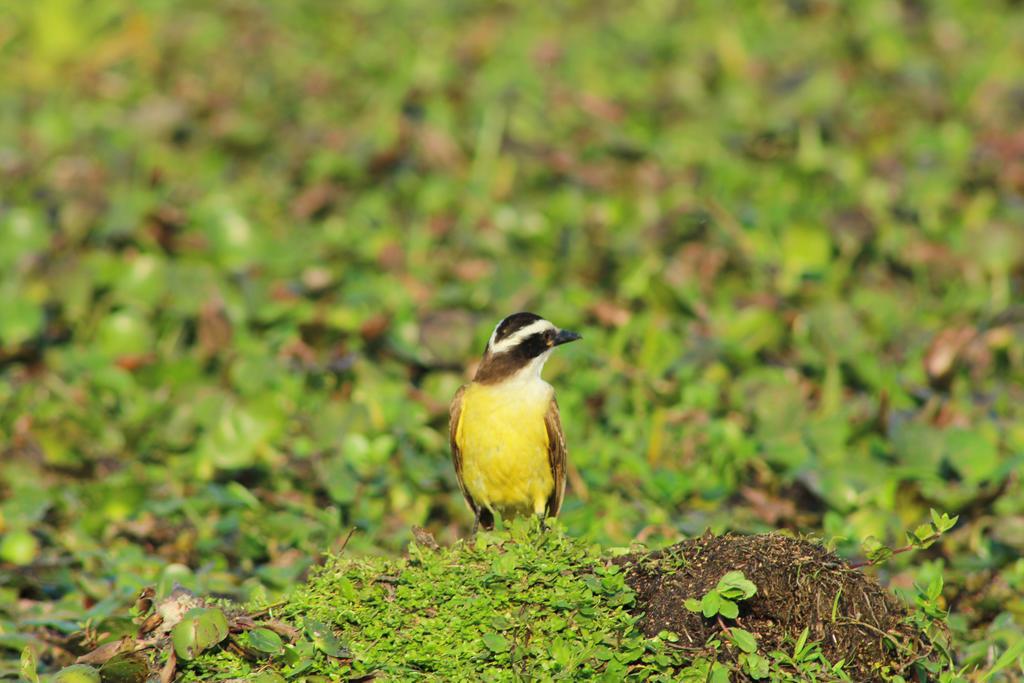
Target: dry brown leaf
[610,314]
[473,269]
[134,361]
[439,149]
[213,328]
[106,651]
[152,622]
[317,279]
[768,508]
[314,200]
[945,351]
[424,538]
[375,326]
[169,668]
[391,257]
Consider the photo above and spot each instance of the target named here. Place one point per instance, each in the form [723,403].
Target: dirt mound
[798,584]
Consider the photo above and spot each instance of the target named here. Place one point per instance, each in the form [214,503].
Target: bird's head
[519,347]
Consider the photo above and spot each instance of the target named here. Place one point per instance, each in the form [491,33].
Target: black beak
[565,336]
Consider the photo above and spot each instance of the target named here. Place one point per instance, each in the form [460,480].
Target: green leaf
[934,589]
[1007,659]
[19,547]
[495,642]
[709,604]
[268,677]
[20,320]
[943,522]
[264,640]
[325,639]
[347,590]
[744,639]
[757,666]
[798,649]
[692,605]
[874,550]
[880,555]
[735,586]
[126,667]
[719,673]
[22,233]
[914,541]
[29,666]
[924,532]
[974,453]
[124,333]
[299,666]
[728,609]
[806,250]
[77,673]
[200,629]
[561,652]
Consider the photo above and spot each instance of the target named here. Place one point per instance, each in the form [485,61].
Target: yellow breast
[504,445]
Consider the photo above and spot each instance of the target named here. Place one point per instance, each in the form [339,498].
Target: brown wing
[557,457]
[454,415]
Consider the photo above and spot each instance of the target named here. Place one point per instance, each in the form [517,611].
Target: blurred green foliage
[249,251]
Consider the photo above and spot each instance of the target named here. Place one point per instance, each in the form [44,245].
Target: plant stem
[897,551]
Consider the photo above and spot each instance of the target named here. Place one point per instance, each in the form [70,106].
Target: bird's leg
[543,537]
[476,525]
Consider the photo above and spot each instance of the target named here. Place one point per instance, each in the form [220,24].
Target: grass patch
[536,605]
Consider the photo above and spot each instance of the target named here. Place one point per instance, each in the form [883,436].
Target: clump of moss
[541,605]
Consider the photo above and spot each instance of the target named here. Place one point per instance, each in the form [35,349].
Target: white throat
[526,386]
[531,371]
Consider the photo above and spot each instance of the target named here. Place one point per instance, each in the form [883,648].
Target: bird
[506,434]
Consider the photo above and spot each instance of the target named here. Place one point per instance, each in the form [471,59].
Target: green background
[248,251]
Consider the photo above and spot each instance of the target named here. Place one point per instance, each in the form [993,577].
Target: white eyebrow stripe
[490,342]
[519,335]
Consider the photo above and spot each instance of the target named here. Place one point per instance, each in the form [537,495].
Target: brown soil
[798,584]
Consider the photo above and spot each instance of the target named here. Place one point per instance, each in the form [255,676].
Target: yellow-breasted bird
[506,435]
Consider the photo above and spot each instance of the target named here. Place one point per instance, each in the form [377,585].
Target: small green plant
[720,602]
[920,538]
[754,664]
[722,599]
[808,662]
